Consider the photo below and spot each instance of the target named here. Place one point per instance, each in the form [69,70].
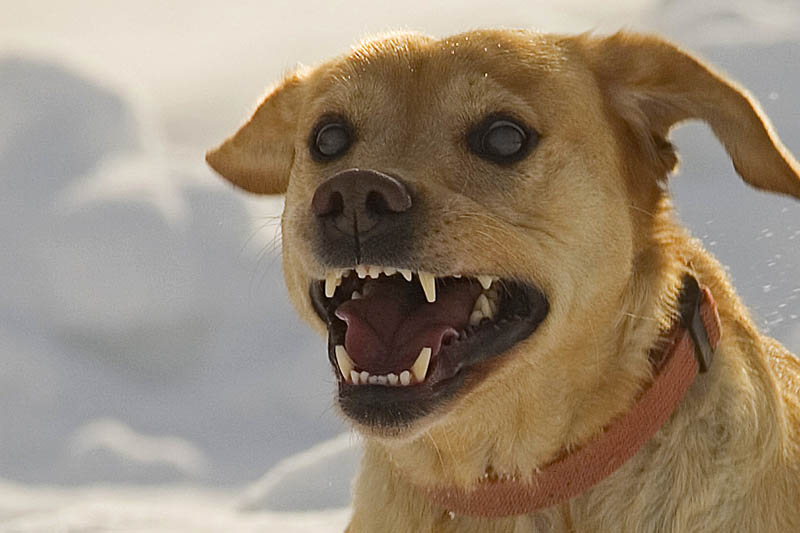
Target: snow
[151,367]
[331,464]
[124,443]
[165,508]
[137,286]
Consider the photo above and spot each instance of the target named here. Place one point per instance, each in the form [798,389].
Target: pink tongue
[387,329]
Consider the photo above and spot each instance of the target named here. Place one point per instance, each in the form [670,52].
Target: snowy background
[152,373]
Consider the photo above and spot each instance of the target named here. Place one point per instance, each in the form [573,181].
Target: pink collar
[691,343]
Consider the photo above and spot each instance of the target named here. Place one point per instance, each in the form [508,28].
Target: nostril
[335,204]
[327,201]
[376,203]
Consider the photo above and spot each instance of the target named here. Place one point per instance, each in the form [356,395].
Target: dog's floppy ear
[258,157]
[653,85]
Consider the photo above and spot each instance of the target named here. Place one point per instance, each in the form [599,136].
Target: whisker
[644,211]
[436,447]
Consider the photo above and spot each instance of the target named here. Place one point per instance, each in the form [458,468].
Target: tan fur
[586,218]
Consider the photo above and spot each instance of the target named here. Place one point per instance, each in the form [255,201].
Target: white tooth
[392,379]
[428,282]
[483,303]
[389,271]
[494,304]
[354,377]
[457,276]
[364,375]
[345,363]
[374,272]
[485,281]
[361,270]
[420,367]
[373,380]
[475,318]
[382,380]
[355,296]
[406,273]
[330,283]
[405,377]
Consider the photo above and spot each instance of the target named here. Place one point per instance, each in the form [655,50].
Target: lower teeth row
[364,378]
[417,373]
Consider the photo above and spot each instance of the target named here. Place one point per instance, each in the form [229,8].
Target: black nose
[361,203]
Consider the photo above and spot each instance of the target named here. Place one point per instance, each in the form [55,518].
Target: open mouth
[403,342]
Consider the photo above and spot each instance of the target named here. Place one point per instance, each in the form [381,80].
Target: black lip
[390,409]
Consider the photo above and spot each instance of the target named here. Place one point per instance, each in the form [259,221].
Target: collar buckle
[691,299]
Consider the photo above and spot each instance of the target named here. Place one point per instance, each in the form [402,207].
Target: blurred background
[146,342]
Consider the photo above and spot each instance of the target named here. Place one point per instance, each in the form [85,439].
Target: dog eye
[330,141]
[501,140]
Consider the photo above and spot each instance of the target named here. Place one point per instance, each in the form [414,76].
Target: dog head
[464,213]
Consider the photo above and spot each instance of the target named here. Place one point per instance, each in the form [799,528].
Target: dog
[481,227]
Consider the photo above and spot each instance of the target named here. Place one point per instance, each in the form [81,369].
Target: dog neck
[692,340]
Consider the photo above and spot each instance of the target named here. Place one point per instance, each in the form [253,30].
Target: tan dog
[518,180]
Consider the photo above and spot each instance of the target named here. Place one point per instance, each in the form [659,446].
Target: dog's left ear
[258,158]
[653,85]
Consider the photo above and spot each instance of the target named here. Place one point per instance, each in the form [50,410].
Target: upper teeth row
[333,278]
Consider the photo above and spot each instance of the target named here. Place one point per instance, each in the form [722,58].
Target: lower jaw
[391,411]
[397,411]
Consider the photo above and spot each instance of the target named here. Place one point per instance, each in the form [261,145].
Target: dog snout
[360,203]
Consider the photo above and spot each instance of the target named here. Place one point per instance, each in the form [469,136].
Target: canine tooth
[330,283]
[485,281]
[483,303]
[476,306]
[364,375]
[457,276]
[420,367]
[392,379]
[428,282]
[475,318]
[345,363]
[389,271]
[374,272]
[354,377]
[355,296]
[406,273]
[405,377]
[361,270]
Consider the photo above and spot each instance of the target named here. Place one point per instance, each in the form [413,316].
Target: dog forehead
[473,67]
[536,50]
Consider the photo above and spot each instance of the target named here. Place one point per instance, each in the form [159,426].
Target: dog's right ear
[258,158]
[652,85]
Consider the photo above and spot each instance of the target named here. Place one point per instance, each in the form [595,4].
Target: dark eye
[330,140]
[501,140]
